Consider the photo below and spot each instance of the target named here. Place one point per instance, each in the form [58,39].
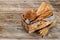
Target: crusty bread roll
[30,14]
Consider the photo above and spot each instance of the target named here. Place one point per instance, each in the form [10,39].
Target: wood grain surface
[10,19]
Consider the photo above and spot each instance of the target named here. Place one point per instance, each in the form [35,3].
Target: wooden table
[10,19]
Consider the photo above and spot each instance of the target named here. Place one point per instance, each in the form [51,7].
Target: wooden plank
[10,19]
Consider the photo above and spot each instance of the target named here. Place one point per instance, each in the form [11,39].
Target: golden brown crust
[41,8]
[46,15]
[36,26]
[39,25]
[46,12]
[43,32]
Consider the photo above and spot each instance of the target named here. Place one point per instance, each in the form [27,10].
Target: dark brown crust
[30,14]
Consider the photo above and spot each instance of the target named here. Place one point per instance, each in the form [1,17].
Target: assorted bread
[41,19]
